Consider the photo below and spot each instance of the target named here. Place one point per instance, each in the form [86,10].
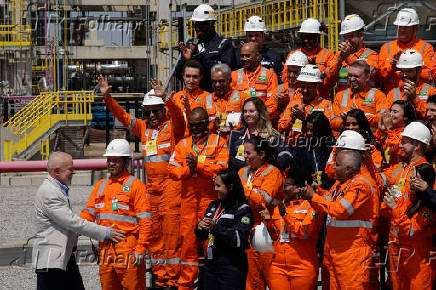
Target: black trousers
[224,277]
[58,279]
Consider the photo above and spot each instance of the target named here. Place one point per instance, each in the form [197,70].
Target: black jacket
[230,233]
[216,49]
[238,137]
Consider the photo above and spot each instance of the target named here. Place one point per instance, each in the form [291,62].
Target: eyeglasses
[201,23]
[154,111]
[198,124]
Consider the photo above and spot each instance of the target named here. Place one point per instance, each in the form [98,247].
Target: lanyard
[155,133]
[250,79]
[251,176]
[194,146]
[218,213]
[314,159]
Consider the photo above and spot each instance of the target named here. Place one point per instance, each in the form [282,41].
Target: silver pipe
[342,9]
[170,43]
[387,13]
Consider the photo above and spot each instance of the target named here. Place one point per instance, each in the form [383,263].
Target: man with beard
[209,48]
[358,96]
[407,22]
[196,160]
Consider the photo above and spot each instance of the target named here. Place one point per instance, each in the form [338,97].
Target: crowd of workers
[271,169]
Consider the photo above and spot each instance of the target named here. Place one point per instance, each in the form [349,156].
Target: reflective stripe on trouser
[259,266]
[352,268]
[192,210]
[165,243]
[116,269]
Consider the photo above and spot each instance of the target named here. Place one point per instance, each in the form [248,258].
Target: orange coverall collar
[407,45]
[197,91]
[120,179]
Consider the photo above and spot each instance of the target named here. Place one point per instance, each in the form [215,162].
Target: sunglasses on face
[198,124]
[148,112]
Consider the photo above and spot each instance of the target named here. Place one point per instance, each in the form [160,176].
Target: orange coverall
[390,142]
[416,266]
[294,128]
[157,147]
[261,187]
[433,68]
[132,214]
[192,96]
[321,57]
[352,209]
[423,91]
[341,71]
[261,83]
[398,178]
[198,190]
[221,107]
[391,78]
[295,261]
[371,101]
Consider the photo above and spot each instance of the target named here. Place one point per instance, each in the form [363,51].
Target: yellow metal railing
[278,15]
[42,113]
[15,35]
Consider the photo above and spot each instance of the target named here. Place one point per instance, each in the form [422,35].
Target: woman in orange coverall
[263,183]
[356,120]
[294,227]
[391,126]
[414,224]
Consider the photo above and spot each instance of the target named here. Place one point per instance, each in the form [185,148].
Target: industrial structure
[51,52]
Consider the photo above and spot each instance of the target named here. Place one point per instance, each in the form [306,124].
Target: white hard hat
[310,73]
[407,17]
[410,59]
[350,139]
[417,131]
[203,12]
[118,148]
[254,23]
[310,25]
[152,100]
[298,58]
[351,23]
[261,240]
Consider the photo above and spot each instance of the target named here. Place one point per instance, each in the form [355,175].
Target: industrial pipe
[35,166]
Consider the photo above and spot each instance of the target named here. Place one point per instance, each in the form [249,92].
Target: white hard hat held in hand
[150,100]
[203,12]
[417,131]
[118,148]
[261,240]
[410,59]
[298,58]
[352,140]
[310,25]
[255,23]
[351,23]
[310,73]
[407,17]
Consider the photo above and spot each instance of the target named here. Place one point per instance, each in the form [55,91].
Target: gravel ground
[16,209]
[23,278]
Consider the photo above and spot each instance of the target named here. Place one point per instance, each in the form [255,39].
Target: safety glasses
[148,112]
[198,124]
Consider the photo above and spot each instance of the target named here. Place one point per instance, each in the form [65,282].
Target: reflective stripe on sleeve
[264,194]
[175,163]
[209,101]
[412,231]
[344,102]
[240,76]
[144,215]
[102,186]
[158,158]
[132,123]
[396,94]
[348,223]
[348,206]
[189,263]
[116,217]
[222,162]
[90,210]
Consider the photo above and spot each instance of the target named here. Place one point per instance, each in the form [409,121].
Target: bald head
[250,56]
[351,158]
[60,167]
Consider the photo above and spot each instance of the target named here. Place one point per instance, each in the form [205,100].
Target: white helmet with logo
[203,12]
[351,23]
[298,58]
[310,73]
[255,23]
[261,240]
[410,59]
[310,25]
[352,140]
[118,148]
[417,131]
[407,17]
[150,100]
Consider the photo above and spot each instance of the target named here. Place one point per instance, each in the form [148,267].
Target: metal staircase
[45,114]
